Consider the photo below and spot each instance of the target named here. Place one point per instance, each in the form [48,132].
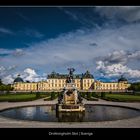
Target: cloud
[8,79]
[81,49]
[18,52]
[85,16]
[135,55]
[102,15]
[21,15]
[5,51]
[126,13]
[116,70]
[6,31]
[33,33]
[27,74]
[121,56]
[70,13]
[4,71]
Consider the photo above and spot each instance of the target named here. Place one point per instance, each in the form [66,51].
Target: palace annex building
[57,82]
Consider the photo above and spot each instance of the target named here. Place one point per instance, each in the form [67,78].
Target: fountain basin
[92,113]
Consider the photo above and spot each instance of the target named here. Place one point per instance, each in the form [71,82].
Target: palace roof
[64,76]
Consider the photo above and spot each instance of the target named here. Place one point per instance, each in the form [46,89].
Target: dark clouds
[121,56]
[126,13]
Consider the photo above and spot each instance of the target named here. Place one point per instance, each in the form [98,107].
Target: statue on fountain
[70,99]
[70,76]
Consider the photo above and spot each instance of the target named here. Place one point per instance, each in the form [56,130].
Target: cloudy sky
[34,41]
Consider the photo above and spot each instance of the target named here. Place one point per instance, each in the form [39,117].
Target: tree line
[4,87]
[135,86]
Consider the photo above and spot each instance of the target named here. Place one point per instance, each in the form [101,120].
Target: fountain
[70,109]
[70,99]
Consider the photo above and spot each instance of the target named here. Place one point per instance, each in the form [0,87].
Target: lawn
[122,98]
[21,97]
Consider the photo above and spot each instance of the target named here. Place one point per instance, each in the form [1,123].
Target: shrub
[52,96]
[102,94]
[82,94]
[37,94]
[89,95]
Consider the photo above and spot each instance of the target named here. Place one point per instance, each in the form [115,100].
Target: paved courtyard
[11,123]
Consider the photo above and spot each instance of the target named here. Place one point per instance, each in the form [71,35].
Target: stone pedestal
[70,101]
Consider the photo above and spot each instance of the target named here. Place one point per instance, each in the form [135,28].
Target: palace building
[121,84]
[57,82]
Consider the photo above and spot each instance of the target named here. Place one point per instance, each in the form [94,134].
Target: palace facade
[57,82]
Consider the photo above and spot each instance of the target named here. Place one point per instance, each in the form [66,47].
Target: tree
[135,86]
[1,82]
[89,95]
[37,94]
[102,94]
[4,87]
[52,95]
[83,94]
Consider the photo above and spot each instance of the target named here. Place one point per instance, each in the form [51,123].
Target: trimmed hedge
[89,96]
[52,96]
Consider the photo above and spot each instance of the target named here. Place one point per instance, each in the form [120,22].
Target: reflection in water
[92,113]
[70,116]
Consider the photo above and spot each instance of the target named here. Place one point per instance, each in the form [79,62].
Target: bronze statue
[70,76]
